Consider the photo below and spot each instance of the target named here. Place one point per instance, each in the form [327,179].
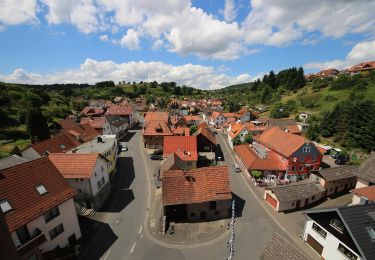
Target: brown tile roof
[58,144]
[368,65]
[17,185]
[296,191]
[215,114]
[95,122]
[185,147]
[278,248]
[74,165]
[368,192]
[195,185]
[206,132]
[366,170]
[190,118]
[337,173]
[156,116]
[91,111]
[83,131]
[157,128]
[253,162]
[236,129]
[119,111]
[283,142]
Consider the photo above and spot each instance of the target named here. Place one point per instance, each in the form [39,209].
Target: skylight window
[371,232]
[41,189]
[62,146]
[5,206]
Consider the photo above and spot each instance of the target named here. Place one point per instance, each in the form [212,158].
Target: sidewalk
[183,234]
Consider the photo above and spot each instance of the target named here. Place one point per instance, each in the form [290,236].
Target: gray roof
[279,248]
[296,191]
[94,146]
[282,122]
[337,173]
[117,120]
[357,220]
[11,161]
[367,169]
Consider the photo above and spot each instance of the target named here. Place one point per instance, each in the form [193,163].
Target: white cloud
[229,12]
[157,44]
[92,71]
[17,12]
[130,40]
[104,38]
[363,51]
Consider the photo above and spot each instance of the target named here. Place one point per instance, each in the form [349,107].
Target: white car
[236,168]
[124,148]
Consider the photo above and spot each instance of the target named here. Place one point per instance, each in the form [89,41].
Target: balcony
[35,241]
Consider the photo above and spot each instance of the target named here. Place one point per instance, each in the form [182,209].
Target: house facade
[341,233]
[366,172]
[87,174]
[206,140]
[38,210]
[217,119]
[119,126]
[100,124]
[184,148]
[125,112]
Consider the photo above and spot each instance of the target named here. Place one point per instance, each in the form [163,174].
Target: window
[302,158]
[189,163]
[51,214]
[300,168]
[371,232]
[337,225]
[346,252]
[79,190]
[212,205]
[306,149]
[23,234]
[56,231]
[41,189]
[313,197]
[293,168]
[5,206]
[319,230]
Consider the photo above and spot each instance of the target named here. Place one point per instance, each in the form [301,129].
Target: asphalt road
[123,234]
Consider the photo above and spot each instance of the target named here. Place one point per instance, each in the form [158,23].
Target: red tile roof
[119,111]
[95,122]
[185,147]
[236,129]
[83,131]
[368,192]
[253,162]
[90,111]
[74,165]
[195,185]
[215,114]
[157,128]
[17,185]
[190,118]
[363,66]
[58,144]
[283,142]
[156,116]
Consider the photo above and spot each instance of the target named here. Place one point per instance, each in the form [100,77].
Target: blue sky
[206,44]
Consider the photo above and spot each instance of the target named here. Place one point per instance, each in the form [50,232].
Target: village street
[123,233]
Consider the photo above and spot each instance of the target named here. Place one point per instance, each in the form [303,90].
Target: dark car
[341,159]
[158,152]
[156,157]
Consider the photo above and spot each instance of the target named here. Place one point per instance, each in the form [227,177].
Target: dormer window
[5,206]
[306,149]
[337,224]
[41,189]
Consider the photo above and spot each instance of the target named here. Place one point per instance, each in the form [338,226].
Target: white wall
[30,154]
[67,217]
[101,171]
[361,183]
[330,243]
[107,128]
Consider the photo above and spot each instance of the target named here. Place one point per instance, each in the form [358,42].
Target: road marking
[140,230]
[132,249]
[106,255]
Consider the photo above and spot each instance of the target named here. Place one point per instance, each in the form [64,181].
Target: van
[236,168]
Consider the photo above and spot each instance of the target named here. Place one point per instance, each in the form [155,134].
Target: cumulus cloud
[17,12]
[363,51]
[92,71]
[104,38]
[229,11]
[130,40]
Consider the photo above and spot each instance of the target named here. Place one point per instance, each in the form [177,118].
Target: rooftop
[366,170]
[119,111]
[195,185]
[367,192]
[11,161]
[18,186]
[96,145]
[72,165]
[337,173]
[185,147]
[296,191]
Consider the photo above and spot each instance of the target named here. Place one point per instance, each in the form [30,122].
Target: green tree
[36,125]
[248,138]
[193,129]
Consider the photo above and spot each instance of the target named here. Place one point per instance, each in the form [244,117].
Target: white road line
[106,255]
[140,230]
[132,249]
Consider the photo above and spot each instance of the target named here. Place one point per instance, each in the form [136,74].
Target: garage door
[271,201]
[314,244]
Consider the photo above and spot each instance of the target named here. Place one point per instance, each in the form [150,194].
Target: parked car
[158,152]
[236,168]
[341,159]
[156,157]
[124,148]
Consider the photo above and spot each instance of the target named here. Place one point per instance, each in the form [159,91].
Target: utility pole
[230,244]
